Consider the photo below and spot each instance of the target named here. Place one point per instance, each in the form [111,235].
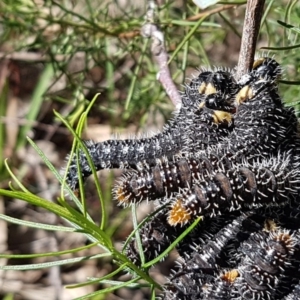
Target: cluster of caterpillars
[231,156]
[240,256]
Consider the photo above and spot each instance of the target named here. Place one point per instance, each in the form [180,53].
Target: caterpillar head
[266,68]
[214,90]
[255,90]
[265,73]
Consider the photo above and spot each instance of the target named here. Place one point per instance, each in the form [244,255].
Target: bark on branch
[253,15]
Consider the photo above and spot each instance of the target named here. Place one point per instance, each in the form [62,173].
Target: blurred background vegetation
[56,55]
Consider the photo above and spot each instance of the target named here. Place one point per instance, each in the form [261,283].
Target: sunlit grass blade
[116,286]
[137,235]
[229,23]
[53,263]
[49,254]
[147,219]
[36,224]
[77,141]
[186,38]
[135,74]
[69,214]
[173,245]
[266,12]
[55,173]
[98,280]
[14,177]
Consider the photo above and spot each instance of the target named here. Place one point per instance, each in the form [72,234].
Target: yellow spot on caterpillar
[244,94]
[121,196]
[202,104]
[220,116]
[206,89]
[258,62]
[284,238]
[230,276]
[270,225]
[178,214]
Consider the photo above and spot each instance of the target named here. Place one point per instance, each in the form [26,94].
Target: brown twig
[31,56]
[253,15]
[151,30]
[211,12]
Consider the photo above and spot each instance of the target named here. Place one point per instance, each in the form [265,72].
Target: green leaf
[53,263]
[116,285]
[69,214]
[289,26]
[36,225]
[281,48]
[98,280]
[45,254]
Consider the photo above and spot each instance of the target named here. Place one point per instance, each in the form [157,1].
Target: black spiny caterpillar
[204,118]
[263,126]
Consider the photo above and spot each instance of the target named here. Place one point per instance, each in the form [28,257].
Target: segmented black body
[267,182]
[266,258]
[262,123]
[208,92]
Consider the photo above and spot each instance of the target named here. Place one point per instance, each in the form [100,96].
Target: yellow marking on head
[201,88]
[230,276]
[206,89]
[210,89]
[258,62]
[202,104]
[220,117]
[244,94]
[178,214]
